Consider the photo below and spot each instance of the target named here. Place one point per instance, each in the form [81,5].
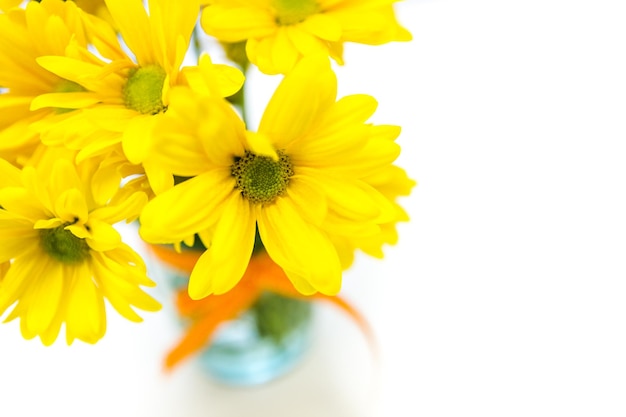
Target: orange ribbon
[208,313]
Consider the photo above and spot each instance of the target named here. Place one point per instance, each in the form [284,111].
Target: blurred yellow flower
[281,32]
[26,34]
[65,256]
[132,91]
[300,180]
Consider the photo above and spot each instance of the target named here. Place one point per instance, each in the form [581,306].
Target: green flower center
[63,245]
[260,178]
[144,89]
[289,12]
[66,86]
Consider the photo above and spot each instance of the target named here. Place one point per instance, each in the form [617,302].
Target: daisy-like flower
[132,92]
[25,34]
[297,181]
[65,256]
[280,32]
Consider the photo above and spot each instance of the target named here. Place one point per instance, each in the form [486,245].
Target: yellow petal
[17,237]
[130,207]
[46,294]
[229,79]
[222,265]
[172,23]
[85,314]
[124,258]
[65,100]
[64,177]
[260,144]
[284,53]
[118,289]
[214,79]
[159,178]
[19,278]
[309,198]
[137,140]
[105,182]
[305,42]
[71,207]
[236,24]
[303,95]
[350,198]
[20,202]
[187,208]
[300,283]
[350,110]
[9,175]
[301,249]
[134,25]
[104,237]
[323,26]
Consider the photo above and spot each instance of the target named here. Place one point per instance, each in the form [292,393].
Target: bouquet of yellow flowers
[112,111]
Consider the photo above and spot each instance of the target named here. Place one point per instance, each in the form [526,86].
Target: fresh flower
[108,115]
[65,256]
[280,32]
[45,28]
[298,180]
[131,93]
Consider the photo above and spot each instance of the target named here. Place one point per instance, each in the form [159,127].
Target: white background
[506,294]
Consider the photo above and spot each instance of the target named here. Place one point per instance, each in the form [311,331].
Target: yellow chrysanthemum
[41,29]
[133,92]
[298,181]
[65,256]
[280,32]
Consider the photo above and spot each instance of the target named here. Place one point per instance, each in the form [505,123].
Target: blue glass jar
[265,342]
[262,343]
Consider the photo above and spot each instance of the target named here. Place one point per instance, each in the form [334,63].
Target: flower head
[280,32]
[46,28]
[299,181]
[65,256]
[131,90]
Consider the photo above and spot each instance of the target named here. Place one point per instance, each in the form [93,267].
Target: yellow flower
[41,29]
[133,93]
[298,181]
[280,32]
[65,256]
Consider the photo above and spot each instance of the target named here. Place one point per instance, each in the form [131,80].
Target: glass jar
[264,341]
